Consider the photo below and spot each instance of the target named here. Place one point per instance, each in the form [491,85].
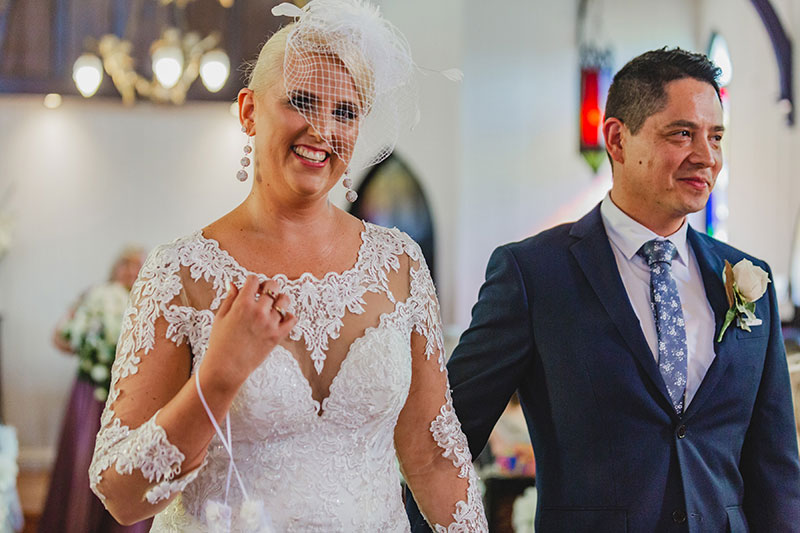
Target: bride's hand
[250,322]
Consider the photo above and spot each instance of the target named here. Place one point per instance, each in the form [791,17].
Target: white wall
[433,149]
[521,168]
[90,177]
[763,152]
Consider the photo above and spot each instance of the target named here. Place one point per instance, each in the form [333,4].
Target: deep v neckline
[320,406]
[321,303]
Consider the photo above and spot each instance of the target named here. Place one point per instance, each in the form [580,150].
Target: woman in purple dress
[90,330]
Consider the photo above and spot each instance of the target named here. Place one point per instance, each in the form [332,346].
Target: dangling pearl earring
[245,162]
[351,195]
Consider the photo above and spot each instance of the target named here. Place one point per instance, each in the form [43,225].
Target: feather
[287,9]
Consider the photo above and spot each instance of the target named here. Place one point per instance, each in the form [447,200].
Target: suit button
[681,433]
[678,516]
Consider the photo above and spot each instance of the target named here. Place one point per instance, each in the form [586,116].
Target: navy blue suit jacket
[554,322]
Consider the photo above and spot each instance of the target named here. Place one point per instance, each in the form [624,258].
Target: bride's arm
[432,449]
[154,431]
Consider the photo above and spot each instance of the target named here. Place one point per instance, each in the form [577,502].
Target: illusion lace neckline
[305,276]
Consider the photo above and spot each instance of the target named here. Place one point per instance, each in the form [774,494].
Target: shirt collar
[629,235]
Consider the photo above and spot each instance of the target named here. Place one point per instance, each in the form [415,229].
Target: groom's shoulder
[557,237]
[543,249]
[727,252]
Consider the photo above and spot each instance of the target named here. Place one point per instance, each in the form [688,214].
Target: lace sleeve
[152,363]
[433,451]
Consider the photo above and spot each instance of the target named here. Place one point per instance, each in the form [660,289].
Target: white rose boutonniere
[744,284]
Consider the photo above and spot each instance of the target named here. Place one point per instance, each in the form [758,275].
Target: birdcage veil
[349,72]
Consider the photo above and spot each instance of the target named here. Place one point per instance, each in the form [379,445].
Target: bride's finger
[286,324]
[229,298]
[280,310]
[270,291]
[250,287]
[280,306]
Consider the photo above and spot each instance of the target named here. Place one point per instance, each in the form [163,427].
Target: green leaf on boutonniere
[729,317]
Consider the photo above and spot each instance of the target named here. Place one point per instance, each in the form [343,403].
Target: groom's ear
[613,133]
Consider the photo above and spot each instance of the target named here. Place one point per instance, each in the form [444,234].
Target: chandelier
[178,58]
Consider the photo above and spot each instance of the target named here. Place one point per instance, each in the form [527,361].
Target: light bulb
[87,72]
[214,70]
[168,65]
[52,100]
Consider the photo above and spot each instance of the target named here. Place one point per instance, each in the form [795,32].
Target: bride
[274,363]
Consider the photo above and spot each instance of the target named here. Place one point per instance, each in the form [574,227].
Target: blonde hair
[269,67]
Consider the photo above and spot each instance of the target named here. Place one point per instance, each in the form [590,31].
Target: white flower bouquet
[523,511]
[93,331]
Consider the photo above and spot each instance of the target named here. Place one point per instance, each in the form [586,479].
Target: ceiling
[40,39]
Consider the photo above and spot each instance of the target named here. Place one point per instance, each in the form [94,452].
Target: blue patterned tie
[671,329]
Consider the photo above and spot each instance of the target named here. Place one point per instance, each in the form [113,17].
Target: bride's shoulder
[395,239]
[178,246]
[167,260]
[191,265]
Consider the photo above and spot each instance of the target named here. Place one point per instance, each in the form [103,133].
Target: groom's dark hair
[638,89]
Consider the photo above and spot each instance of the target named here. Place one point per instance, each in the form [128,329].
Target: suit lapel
[711,266]
[593,253]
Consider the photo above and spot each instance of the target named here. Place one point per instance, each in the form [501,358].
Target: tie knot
[658,251]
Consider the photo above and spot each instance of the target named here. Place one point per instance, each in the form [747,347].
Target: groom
[644,415]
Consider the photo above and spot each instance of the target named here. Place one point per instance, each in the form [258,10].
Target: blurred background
[116,127]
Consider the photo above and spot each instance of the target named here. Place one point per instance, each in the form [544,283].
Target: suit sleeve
[770,461]
[491,358]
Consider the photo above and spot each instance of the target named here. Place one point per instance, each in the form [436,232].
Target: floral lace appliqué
[446,429]
[324,470]
[146,449]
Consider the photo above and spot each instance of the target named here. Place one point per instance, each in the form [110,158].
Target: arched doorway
[391,196]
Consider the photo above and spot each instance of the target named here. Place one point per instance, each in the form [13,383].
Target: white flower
[86,365]
[750,280]
[105,353]
[99,373]
[100,394]
[524,511]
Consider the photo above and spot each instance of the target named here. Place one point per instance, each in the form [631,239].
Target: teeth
[317,156]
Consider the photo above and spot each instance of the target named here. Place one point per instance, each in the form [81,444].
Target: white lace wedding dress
[317,464]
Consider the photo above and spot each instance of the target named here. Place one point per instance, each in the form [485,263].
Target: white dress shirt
[627,236]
